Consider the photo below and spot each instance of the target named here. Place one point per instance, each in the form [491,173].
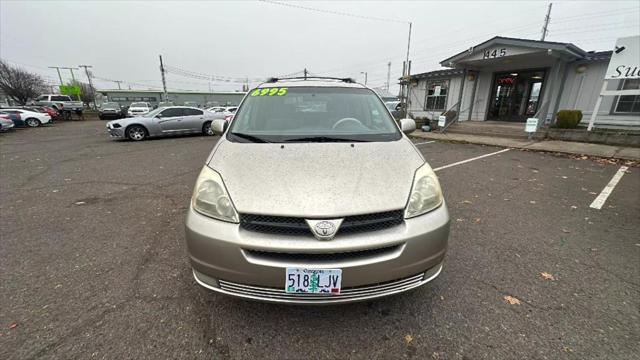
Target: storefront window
[628,104]
[437,95]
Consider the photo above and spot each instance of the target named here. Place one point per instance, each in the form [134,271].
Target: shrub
[568,119]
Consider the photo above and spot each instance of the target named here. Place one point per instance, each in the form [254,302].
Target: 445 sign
[494,53]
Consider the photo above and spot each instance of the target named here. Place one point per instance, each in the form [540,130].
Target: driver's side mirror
[159,116]
[219,126]
[407,125]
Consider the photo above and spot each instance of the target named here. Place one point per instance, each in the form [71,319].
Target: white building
[508,79]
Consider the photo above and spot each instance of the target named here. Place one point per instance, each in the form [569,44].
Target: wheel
[136,132]
[101,117]
[32,122]
[206,129]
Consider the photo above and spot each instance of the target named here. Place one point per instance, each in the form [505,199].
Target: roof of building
[437,73]
[598,55]
[568,47]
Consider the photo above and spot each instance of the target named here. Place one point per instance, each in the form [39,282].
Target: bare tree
[19,84]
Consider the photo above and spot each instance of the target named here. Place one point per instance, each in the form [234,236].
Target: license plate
[313,281]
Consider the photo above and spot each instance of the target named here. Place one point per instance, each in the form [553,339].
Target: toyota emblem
[324,229]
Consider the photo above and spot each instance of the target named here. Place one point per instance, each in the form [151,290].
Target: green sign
[70,89]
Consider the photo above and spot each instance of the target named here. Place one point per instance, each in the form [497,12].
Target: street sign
[624,64]
[625,60]
[531,126]
[69,89]
[441,120]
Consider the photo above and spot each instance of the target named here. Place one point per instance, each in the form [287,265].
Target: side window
[188,112]
[43,98]
[628,104]
[436,97]
[172,112]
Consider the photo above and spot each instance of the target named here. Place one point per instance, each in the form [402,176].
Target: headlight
[426,194]
[210,198]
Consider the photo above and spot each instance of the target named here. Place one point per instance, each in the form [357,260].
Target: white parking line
[604,194]
[422,143]
[469,160]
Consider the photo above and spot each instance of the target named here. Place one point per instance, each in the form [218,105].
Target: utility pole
[546,23]
[73,78]
[305,73]
[58,70]
[388,75]
[406,73]
[118,82]
[164,82]
[86,71]
[365,76]
[408,101]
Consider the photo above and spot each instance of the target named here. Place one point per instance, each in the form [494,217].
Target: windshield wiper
[322,139]
[251,138]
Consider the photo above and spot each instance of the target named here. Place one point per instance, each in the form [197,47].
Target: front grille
[348,293]
[288,225]
[321,257]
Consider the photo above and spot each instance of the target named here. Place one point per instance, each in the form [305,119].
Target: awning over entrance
[505,52]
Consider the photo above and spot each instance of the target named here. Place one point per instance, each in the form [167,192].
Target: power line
[451,47]
[333,12]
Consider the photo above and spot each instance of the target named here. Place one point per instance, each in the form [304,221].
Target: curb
[554,146]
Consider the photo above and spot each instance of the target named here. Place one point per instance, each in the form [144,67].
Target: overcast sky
[253,39]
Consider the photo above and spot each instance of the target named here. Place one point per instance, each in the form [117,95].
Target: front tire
[206,129]
[136,133]
[32,122]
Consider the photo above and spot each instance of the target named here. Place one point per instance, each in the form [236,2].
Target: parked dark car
[110,111]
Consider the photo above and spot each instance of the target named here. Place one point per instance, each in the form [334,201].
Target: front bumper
[116,132]
[223,258]
[110,115]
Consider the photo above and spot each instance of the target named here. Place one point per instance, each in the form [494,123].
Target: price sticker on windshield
[274,91]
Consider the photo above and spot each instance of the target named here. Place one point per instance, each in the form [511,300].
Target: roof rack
[347,80]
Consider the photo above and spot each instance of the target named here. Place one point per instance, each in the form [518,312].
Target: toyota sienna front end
[314,195]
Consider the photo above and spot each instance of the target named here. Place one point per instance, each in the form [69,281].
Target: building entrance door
[515,96]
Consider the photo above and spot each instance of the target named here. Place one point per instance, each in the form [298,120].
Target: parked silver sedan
[173,120]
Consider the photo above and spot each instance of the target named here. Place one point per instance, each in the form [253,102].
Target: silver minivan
[315,195]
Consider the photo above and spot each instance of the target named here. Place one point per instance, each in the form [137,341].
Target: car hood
[317,180]
[128,121]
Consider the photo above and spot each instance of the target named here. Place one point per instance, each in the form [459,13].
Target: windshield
[391,105]
[153,113]
[312,114]
[110,104]
[138,105]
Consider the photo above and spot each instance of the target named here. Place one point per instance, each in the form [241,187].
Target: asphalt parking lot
[93,264]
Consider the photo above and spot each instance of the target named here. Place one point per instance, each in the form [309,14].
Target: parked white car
[139,109]
[217,109]
[31,118]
